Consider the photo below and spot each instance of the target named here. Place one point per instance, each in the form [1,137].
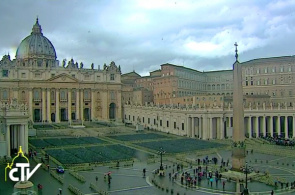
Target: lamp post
[161,152]
[246,187]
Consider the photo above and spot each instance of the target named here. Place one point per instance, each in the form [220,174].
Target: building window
[74,76]
[143,119]
[133,118]
[273,69]
[23,75]
[37,75]
[148,120]
[265,70]
[36,95]
[112,77]
[112,95]
[182,126]
[5,95]
[282,69]
[154,121]
[274,82]
[52,75]
[174,125]
[63,95]
[167,123]
[257,71]
[86,77]
[4,73]
[23,96]
[290,69]
[161,123]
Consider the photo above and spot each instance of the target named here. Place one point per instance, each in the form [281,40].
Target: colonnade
[16,135]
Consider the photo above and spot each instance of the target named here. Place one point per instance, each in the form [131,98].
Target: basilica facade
[56,93]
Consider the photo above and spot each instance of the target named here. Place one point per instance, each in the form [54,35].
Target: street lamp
[246,187]
[161,152]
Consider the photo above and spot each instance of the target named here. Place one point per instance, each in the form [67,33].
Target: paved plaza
[273,164]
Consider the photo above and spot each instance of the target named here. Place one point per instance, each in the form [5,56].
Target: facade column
[57,115]
[21,129]
[77,104]
[48,106]
[8,140]
[69,105]
[286,127]
[43,105]
[256,126]
[271,126]
[30,104]
[92,117]
[119,114]
[263,126]
[82,104]
[278,126]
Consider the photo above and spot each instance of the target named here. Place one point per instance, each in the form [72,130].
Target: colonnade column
[286,127]
[77,104]
[271,126]
[22,136]
[256,126]
[30,105]
[263,126]
[57,115]
[210,128]
[278,129]
[221,129]
[249,127]
[70,105]
[189,127]
[92,106]
[205,127]
[193,127]
[43,105]
[8,139]
[26,129]
[200,127]
[48,106]
[82,104]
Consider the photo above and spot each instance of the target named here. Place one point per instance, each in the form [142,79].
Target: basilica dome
[36,45]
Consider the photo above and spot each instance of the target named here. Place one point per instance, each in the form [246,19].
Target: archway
[37,115]
[53,117]
[86,114]
[112,111]
[73,116]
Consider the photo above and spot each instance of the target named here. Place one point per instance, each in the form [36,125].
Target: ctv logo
[23,168]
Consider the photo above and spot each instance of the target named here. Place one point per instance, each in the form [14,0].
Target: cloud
[142,35]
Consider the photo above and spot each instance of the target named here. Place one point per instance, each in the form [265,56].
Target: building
[191,103]
[55,93]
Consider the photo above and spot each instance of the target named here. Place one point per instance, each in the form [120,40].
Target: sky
[141,35]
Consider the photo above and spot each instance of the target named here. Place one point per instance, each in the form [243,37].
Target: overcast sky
[141,35]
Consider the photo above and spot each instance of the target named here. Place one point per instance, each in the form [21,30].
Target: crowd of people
[280,141]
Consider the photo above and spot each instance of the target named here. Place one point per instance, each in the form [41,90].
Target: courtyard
[89,155]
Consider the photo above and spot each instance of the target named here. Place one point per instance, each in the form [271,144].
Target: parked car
[60,169]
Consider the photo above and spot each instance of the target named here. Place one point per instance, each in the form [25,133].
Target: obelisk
[238,149]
